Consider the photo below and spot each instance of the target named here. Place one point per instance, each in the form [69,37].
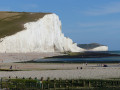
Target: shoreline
[71,62]
[21,57]
[54,70]
[34,57]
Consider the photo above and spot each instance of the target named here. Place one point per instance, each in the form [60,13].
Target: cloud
[110,8]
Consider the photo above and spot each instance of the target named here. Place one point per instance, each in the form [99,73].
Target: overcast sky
[84,21]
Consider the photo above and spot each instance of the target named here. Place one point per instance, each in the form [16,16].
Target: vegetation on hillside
[13,22]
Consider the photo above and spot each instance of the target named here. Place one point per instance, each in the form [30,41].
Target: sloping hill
[12,22]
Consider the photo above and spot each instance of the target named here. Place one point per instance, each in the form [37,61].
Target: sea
[113,59]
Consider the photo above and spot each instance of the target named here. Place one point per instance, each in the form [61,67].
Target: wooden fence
[41,84]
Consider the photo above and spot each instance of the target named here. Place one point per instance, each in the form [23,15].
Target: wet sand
[21,57]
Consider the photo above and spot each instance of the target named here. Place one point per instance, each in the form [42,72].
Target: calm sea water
[79,60]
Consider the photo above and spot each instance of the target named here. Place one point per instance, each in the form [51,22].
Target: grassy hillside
[12,22]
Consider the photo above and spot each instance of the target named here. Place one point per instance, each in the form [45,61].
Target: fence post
[60,82]
[77,83]
[48,80]
[95,83]
[1,82]
[54,83]
[41,83]
[72,82]
[83,83]
[89,84]
[66,82]
[36,82]
[105,84]
[117,83]
[30,82]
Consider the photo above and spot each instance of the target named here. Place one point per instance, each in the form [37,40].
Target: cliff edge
[33,32]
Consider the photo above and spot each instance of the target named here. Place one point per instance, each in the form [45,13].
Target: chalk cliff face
[93,47]
[100,48]
[43,35]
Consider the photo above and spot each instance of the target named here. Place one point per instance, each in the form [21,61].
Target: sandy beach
[64,71]
[54,70]
[20,57]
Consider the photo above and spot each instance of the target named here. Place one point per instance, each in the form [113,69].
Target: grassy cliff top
[13,22]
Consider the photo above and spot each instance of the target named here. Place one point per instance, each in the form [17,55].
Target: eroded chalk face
[43,35]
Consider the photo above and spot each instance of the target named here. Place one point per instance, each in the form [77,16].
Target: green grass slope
[13,22]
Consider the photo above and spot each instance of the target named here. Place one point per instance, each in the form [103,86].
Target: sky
[84,21]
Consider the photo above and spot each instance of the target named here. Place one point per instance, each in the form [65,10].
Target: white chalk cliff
[100,48]
[93,47]
[43,35]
